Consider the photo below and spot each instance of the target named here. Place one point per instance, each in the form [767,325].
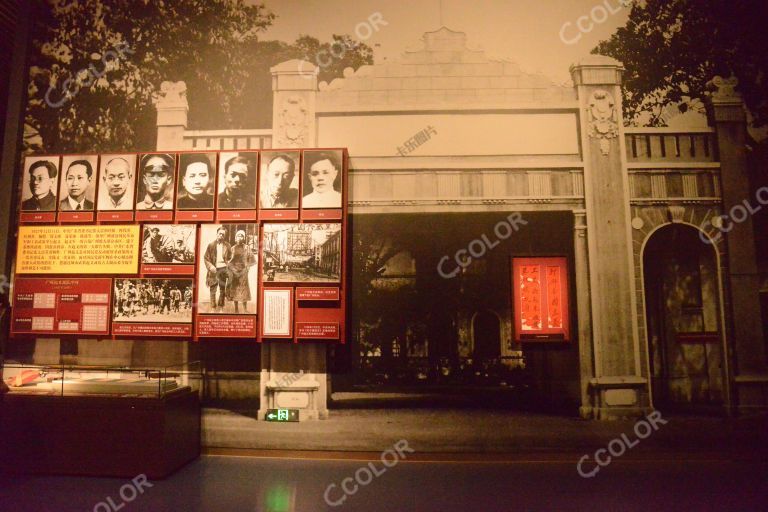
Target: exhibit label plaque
[78,250]
[226,326]
[277,319]
[305,293]
[317,330]
[61,306]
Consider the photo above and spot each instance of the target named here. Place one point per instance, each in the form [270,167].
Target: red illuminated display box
[541,305]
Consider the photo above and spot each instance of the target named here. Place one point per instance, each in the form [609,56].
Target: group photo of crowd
[153,300]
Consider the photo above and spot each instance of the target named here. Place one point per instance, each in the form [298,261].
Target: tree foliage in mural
[376,312]
[97,65]
[671,49]
[254,105]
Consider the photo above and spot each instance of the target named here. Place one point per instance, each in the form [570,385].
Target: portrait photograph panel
[227,269]
[155,189]
[40,184]
[164,243]
[77,185]
[196,181]
[237,180]
[300,253]
[322,179]
[117,182]
[153,300]
[279,179]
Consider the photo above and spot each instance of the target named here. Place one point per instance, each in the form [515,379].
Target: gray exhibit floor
[442,460]
[480,431]
[283,485]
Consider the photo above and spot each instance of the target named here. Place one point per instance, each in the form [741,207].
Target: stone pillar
[172,110]
[294,90]
[581,269]
[617,388]
[294,376]
[727,114]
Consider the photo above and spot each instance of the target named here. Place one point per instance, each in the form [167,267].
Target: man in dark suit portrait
[276,191]
[42,180]
[195,177]
[237,173]
[78,179]
[217,255]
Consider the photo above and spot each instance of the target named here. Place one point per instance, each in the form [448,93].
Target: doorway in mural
[683,319]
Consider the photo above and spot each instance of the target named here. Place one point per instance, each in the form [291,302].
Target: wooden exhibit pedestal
[99,435]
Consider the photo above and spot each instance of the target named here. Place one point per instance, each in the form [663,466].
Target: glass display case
[99,419]
[104,380]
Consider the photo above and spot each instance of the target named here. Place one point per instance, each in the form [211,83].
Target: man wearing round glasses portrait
[156,187]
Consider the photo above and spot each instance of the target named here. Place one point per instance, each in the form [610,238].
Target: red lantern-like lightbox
[540,291]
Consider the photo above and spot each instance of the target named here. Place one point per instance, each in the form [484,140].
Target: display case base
[99,435]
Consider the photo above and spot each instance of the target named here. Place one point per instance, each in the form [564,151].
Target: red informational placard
[317,293]
[316,322]
[61,306]
[195,215]
[279,215]
[321,214]
[154,215]
[226,326]
[158,269]
[80,217]
[541,304]
[317,330]
[233,215]
[163,330]
[114,216]
[37,217]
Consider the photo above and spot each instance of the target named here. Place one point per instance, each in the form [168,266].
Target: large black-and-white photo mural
[550,207]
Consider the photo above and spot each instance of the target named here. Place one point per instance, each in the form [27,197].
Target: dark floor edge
[458,457]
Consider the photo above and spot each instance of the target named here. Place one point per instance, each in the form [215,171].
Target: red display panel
[321,214]
[317,330]
[315,312]
[155,215]
[318,322]
[61,306]
[226,326]
[114,216]
[279,215]
[194,216]
[78,217]
[234,215]
[541,303]
[37,217]
[163,330]
[168,270]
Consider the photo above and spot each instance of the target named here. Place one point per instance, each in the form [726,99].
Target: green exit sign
[282,415]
